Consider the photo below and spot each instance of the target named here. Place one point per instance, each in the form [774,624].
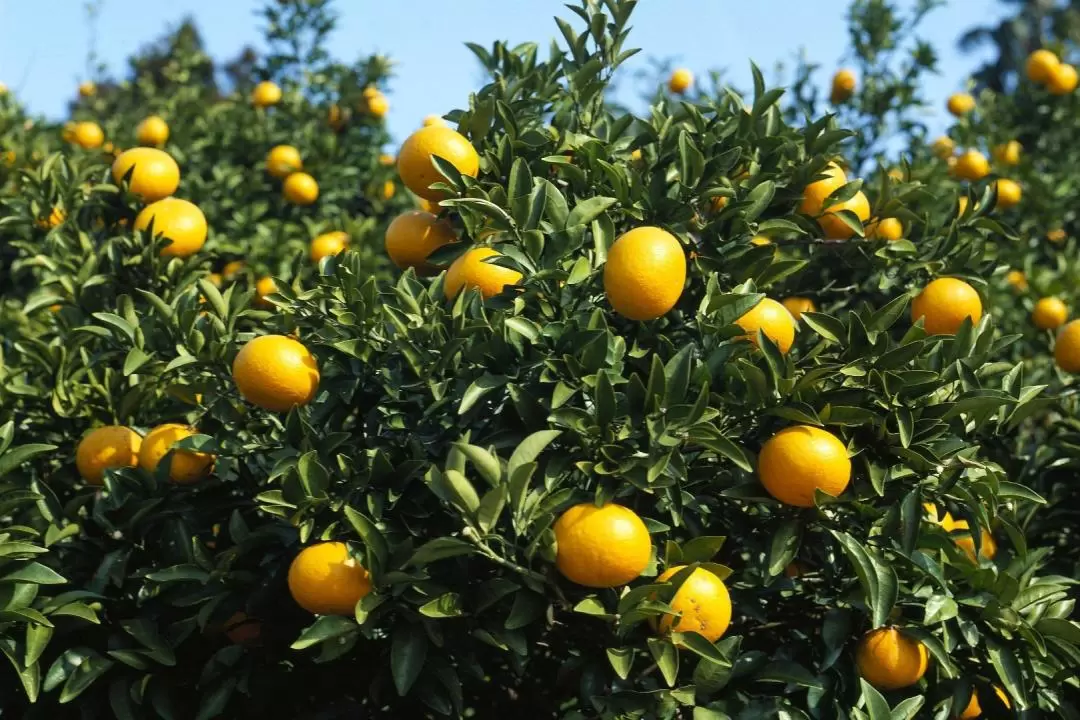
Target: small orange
[843,86]
[1018,279]
[325,580]
[972,165]
[388,190]
[179,221]
[974,709]
[1041,65]
[470,271]
[152,131]
[813,200]
[187,466]
[276,373]
[800,459]
[1008,153]
[232,268]
[265,286]
[1067,347]
[680,81]
[1057,235]
[601,547]
[1063,80]
[414,160]
[377,105]
[798,305]
[1050,313]
[414,235]
[104,448]
[282,160]
[242,630]
[943,147]
[890,660]
[960,104]
[433,120]
[87,89]
[645,273]
[944,304]
[890,229]
[331,243]
[265,94]
[386,159]
[987,546]
[1009,193]
[702,603]
[154,173]
[335,117]
[773,319]
[300,189]
[87,135]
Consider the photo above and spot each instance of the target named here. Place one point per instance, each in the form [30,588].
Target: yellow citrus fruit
[433,120]
[414,160]
[3,89]
[1067,347]
[276,373]
[1056,235]
[1017,279]
[718,203]
[944,304]
[972,165]
[414,235]
[265,286]
[773,319]
[890,660]
[1008,153]
[680,81]
[152,131]
[950,163]
[895,174]
[325,580]
[1009,193]
[470,271]
[1040,66]
[180,221]
[335,117]
[943,147]
[331,243]
[760,240]
[703,603]
[814,195]
[1063,80]
[87,89]
[283,160]
[800,459]
[974,709]
[377,105]
[644,273]
[601,547]
[154,173]
[187,466]
[835,228]
[87,135]
[987,549]
[265,94]
[300,189]
[112,446]
[388,189]
[1050,313]
[890,229]
[386,159]
[960,104]
[232,268]
[843,86]
[798,305]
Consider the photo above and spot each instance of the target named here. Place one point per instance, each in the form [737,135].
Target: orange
[377,105]
[702,602]
[773,320]
[843,86]
[1056,235]
[433,120]
[944,304]
[154,173]
[680,81]
[414,160]
[1041,65]
[718,203]
[387,159]
[282,160]
[414,235]
[889,229]
[1017,279]
[798,305]
[644,273]
[187,466]
[470,271]
[1050,313]
[1063,80]
[987,548]
[325,580]
[388,189]
[335,117]
[300,189]
[890,660]
[960,104]
[232,268]
[265,94]
[1009,193]
[241,629]
[1008,153]
[275,372]
[974,709]
[112,446]
[800,459]
[813,200]
[972,165]
[943,147]
[87,89]
[178,220]
[835,228]
[265,286]
[1067,347]
[331,243]
[152,131]
[87,135]
[601,547]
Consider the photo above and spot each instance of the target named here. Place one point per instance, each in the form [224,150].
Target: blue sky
[45,43]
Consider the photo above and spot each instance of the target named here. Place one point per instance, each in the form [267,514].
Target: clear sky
[45,42]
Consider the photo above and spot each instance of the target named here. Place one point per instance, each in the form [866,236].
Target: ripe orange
[843,86]
[1008,153]
[283,160]
[890,229]
[178,220]
[154,173]
[331,243]
[470,271]
[974,709]
[241,629]
[265,286]
[987,547]
[1067,347]
[1041,65]
[1009,193]
[1062,80]
[680,81]
[601,547]
[890,660]
[718,203]
[112,446]
[387,159]
[960,104]
[276,373]
[972,165]
[300,189]
[773,320]
[335,117]
[798,305]
[152,131]
[944,304]
[87,89]
[232,268]
[800,459]
[703,604]
[1017,279]
[377,105]
[87,135]
[835,228]
[1050,313]
[325,580]
[1056,235]
[433,120]
[187,466]
[414,159]
[645,273]
[814,195]
[414,235]
[943,147]
[265,94]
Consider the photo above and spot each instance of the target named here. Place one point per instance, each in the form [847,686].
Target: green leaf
[478,389]
[784,547]
[326,627]
[702,548]
[16,456]
[666,657]
[444,606]
[622,660]
[588,210]
[408,652]
[876,705]
[440,549]
[484,462]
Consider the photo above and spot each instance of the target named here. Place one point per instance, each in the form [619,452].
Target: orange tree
[580,456]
